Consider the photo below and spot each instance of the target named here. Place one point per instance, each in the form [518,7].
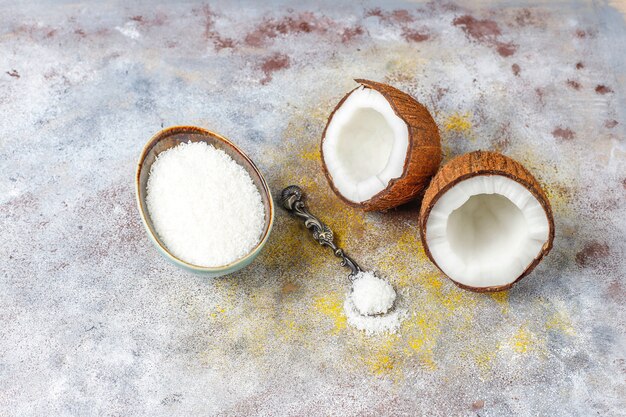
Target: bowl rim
[145,217]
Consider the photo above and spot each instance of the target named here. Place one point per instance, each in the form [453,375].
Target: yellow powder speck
[559,196]
[383,358]
[459,123]
[523,341]
[291,330]
[556,180]
[561,322]
[332,307]
[442,305]
[401,69]
[404,257]
[502,298]
[484,360]
[423,342]
[450,297]
[424,333]
[409,243]
[434,282]
[311,154]
[416,343]
[482,351]
[399,72]
[428,361]
[290,324]
[218,310]
[380,363]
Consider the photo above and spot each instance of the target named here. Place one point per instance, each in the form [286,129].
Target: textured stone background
[95,322]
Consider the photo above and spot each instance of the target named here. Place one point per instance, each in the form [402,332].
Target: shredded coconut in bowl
[203,205]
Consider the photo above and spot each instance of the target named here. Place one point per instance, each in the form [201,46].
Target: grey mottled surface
[95,322]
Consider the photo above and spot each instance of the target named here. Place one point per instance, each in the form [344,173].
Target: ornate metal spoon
[291,198]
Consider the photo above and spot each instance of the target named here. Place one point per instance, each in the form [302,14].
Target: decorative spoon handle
[292,199]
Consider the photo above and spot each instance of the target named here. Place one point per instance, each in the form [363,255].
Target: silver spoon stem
[292,199]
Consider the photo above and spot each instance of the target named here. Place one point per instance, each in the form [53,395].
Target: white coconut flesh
[486,230]
[365,145]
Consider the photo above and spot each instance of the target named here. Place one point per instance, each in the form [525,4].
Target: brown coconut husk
[484,163]
[423,154]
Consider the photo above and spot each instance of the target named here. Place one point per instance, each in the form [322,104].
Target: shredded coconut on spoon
[372,295]
[369,305]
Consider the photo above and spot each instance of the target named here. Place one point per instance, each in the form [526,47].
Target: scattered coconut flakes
[364,294]
[372,295]
[204,206]
[385,323]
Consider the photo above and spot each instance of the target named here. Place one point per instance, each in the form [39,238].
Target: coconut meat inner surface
[486,230]
[365,145]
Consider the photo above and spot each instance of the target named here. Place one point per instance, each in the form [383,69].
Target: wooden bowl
[172,136]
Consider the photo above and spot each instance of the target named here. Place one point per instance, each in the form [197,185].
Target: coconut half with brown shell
[485,221]
[380,147]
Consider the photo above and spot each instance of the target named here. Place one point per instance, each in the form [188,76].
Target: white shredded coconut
[389,323]
[204,205]
[372,295]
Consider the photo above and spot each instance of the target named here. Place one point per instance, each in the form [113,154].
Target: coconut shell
[484,163]
[423,153]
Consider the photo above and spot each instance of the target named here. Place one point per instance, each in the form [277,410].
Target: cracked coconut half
[380,147]
[485,221]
